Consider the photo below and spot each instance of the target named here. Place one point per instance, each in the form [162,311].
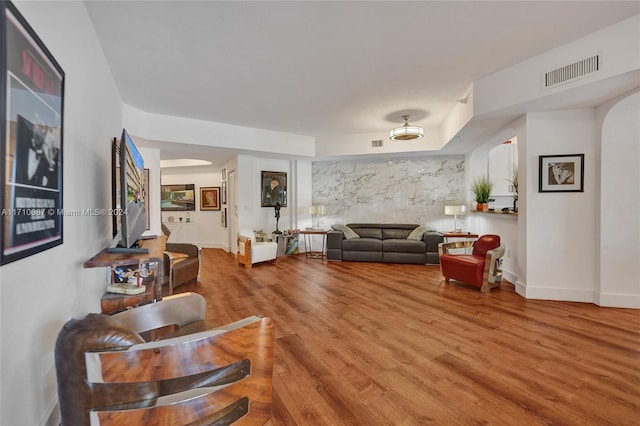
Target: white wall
[40,293]
[251,216]
[205,227]
[562,230]
[620,203]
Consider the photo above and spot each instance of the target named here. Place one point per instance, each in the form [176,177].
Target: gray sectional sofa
[375,242]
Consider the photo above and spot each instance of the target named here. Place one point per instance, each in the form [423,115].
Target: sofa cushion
[403,246]
[348,232]
[362,244]
[392,233]
[367,230]
[417,233]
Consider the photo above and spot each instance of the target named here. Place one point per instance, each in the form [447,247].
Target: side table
[466,235]
[308,234]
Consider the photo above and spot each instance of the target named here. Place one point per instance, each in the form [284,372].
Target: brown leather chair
[481,268]
[108,374]
[181,261]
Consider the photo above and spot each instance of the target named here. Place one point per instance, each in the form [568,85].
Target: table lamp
[455,211]
[316,211]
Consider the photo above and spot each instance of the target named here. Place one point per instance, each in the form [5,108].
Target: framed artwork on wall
[274,189]
[224,174]
[31,131]
[210,198]
[561,173]
[178,197]
[224,192]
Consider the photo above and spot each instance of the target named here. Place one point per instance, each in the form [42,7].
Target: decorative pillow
[261,236]
[417,233]
[348,232]
[177,257]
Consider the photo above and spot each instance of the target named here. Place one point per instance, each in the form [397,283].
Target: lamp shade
[318,209]
[455,210]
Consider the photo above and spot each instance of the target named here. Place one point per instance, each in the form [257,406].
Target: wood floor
[386,344]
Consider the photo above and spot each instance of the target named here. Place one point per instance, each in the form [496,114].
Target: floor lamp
[455,211]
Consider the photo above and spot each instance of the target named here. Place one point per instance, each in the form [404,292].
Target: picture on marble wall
[561,173]
[210,198]
[274,189]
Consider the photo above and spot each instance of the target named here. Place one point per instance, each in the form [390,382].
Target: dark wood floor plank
[384,344]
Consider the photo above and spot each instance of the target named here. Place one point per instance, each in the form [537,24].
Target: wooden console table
[112,302]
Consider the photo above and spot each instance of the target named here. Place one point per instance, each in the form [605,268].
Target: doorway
[232,213]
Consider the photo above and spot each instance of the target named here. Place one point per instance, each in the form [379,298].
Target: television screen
[178,197]
[130,193]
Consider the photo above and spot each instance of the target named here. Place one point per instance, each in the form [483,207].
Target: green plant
[514,181]
[482,188]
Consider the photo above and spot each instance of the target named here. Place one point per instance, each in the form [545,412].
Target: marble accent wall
[402,190]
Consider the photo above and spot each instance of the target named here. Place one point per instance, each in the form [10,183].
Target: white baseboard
[609,300]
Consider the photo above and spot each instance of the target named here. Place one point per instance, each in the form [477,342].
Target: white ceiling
[321,68]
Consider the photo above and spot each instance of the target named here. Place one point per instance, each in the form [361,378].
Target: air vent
[572,72]
[376,143]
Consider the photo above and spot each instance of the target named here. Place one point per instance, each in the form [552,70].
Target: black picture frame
[178,198]
[223,218]
[272,194]
[223,192]
[31,136]
[561,173]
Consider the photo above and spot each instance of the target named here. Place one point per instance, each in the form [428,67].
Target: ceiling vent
[572,72]
[376,143]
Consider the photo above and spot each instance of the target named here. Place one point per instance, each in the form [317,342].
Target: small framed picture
[210,198]
[224,174]
[223,194]
[561,173]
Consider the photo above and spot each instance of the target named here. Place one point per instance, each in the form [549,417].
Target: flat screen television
[129,192]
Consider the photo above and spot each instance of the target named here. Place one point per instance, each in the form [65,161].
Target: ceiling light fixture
[183,162]
[406,132]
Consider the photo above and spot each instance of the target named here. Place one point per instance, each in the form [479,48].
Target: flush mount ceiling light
[406,132]
[183,162]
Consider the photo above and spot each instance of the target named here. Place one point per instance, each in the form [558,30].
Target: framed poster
[31,130]
[274,189]
[210,198]
[561,173]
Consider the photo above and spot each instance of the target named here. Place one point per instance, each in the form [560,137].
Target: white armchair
[251,251]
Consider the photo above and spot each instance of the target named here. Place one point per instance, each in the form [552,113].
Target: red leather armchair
[481,268]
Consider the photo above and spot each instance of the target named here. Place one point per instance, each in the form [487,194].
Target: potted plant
[514,183]
[482,188]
